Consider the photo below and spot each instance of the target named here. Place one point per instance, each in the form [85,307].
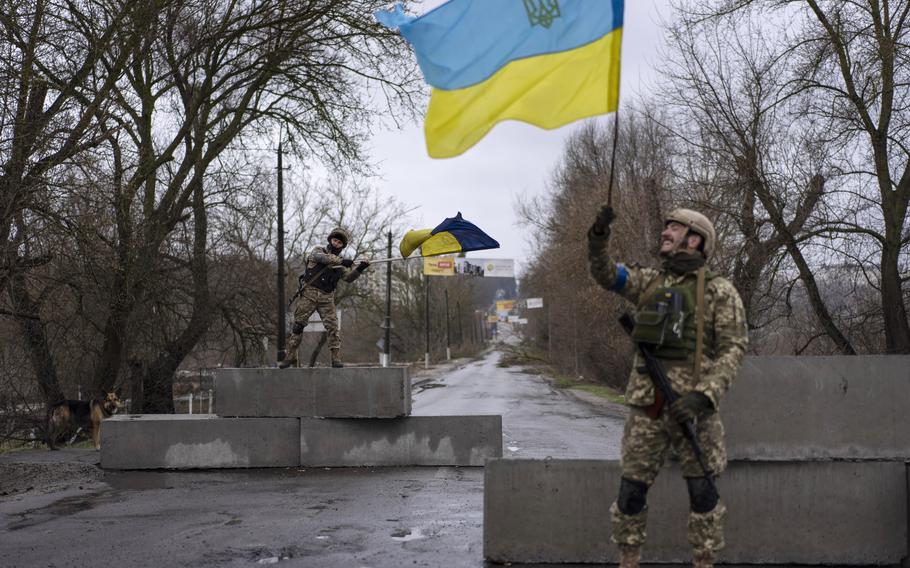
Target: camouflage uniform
[320,296]
[646,441]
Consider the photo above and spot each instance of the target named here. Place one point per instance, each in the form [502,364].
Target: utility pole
[282,309]
[448,334]
[426,309]
[460,327]
[387,347]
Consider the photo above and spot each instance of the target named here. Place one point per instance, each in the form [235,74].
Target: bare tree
[749,155]
[851,58]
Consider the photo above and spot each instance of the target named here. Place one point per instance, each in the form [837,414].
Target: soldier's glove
[600,229]
[347,262]
[690,407]
[363,265]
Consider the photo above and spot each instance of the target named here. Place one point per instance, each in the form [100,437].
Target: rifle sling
[303,286]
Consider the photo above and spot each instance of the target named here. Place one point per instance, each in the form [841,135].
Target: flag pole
[615,130]
[613,157]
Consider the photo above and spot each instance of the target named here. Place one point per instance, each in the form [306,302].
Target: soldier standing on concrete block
[324,268]
[674,304]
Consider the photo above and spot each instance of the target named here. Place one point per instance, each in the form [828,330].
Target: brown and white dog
[69,416]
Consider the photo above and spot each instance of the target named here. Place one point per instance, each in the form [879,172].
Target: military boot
[629,556]
[702,559]
[336,361]
[290,356]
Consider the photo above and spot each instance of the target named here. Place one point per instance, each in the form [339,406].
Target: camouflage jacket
[724,313]
[328,279]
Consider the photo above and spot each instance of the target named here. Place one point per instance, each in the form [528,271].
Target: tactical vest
[327,281]
[665,319]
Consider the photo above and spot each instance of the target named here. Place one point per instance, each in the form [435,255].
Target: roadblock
[350,417]
[817,475]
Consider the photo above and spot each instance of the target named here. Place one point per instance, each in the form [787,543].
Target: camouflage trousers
[645,445]
[313,300]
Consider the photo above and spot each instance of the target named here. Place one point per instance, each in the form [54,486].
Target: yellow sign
[492,319]
[505,305]
[439,265]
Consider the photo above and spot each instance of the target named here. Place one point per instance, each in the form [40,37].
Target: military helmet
[697,223]
[341,234]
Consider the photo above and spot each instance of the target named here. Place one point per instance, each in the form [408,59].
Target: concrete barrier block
[843,513]
[792,408]
[351,392]
[415,440]
[184,441]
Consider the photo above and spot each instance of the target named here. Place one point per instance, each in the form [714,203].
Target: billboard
[486,267]
[439,265]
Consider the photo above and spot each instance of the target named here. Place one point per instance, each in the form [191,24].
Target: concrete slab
[415,440]
[792,408]
[843,513]
[184,441]
[351,392]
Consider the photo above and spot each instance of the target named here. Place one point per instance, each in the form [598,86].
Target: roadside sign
[533,303]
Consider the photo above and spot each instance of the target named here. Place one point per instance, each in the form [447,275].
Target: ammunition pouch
[661,323]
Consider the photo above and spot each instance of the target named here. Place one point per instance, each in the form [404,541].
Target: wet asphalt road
[351,517]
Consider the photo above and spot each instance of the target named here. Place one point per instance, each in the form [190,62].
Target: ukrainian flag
[453,235]
[544,62]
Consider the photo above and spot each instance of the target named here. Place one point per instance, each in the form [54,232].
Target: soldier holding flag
[324,268]
[693,322]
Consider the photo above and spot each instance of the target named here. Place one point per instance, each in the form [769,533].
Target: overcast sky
[514,160]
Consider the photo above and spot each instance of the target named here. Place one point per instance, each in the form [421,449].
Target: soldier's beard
[334,250]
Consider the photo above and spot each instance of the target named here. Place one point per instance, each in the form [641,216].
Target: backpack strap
[699,320]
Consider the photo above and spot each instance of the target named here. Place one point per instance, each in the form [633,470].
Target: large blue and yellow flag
[544,62]
[453,235]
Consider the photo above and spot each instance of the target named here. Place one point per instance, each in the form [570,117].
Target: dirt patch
[18,478]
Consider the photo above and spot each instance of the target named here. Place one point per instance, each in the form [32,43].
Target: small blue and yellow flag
[453,235]
[544,62]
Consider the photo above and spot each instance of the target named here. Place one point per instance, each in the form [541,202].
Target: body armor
[666,321]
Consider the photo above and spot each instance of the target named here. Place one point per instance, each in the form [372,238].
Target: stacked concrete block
[365,392]
[821,512]
[415,440]
[187,441]
[807,408]
[302,417]
[817,475]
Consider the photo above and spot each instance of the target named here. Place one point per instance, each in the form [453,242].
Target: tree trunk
[36,341]
[897,330]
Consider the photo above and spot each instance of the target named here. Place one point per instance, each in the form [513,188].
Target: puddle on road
[62,508]
[404,535]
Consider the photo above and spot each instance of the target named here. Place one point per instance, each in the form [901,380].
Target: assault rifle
[302,285]
[662,385]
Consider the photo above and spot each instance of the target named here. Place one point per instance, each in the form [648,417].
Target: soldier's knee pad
[703,495]
[297,329]
[632,496]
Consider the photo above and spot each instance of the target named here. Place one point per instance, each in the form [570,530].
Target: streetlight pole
[426,309]
[282,309]
[448,334]
[387,347]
